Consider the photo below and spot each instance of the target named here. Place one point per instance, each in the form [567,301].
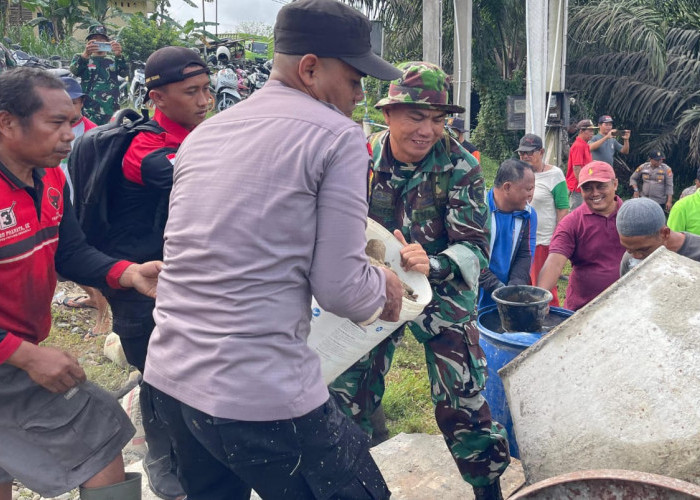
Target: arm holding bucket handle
[551,270]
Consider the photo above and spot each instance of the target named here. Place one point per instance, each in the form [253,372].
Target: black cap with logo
[530,142]
[328,28]
[167,65]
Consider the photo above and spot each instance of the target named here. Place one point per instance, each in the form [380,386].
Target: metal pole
[432,31]
[463,58]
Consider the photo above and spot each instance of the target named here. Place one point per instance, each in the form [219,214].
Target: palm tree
[640,62]
[498,55]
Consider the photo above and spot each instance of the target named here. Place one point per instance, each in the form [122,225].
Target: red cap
[596,171]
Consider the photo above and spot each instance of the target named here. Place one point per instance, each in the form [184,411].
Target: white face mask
[634,262]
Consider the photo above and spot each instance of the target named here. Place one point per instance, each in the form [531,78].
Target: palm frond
[621,26]
[631,100]
[683,42]
[688,127]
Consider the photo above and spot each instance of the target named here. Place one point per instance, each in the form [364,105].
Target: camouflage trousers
[478,444]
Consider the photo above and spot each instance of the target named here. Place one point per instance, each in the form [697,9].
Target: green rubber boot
[130,489]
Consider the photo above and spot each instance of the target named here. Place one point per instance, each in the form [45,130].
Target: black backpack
[95,168]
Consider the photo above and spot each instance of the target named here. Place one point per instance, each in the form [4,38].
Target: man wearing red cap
[588,238]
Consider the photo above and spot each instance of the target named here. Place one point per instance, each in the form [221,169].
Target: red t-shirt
[590,241]
[579,154]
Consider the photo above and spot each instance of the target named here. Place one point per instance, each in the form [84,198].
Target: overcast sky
[230,12]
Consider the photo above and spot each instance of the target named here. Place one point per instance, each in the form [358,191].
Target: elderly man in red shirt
[588,238]
[579,155]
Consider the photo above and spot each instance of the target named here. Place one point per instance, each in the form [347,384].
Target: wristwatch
[435,265]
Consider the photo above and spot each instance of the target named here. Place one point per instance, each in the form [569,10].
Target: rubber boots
[130,489]
[489,492]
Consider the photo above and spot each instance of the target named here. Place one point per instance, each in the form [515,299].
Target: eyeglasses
[527,153]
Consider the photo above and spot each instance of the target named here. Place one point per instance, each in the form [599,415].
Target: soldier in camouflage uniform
[98,73]
[426,185]
[7,60]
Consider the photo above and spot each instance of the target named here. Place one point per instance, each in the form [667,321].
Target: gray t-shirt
[690,248]
[606,152]
[269,206]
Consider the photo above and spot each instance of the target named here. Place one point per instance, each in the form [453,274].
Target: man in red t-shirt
[579,155]
[588,238]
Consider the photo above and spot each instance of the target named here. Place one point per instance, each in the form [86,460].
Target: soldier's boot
[130,489]
[489,492]
[379,431]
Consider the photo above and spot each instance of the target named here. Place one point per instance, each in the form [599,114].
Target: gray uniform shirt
[657,183]
[268,207]
[690,248]
[606,152]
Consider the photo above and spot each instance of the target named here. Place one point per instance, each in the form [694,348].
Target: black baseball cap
[328,28]
[655,154]
[529,142]
[167,65]
[456,124]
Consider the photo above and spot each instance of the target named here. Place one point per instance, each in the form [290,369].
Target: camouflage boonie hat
[97,30]
[423,85]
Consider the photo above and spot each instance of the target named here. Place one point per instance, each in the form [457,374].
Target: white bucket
[338,341]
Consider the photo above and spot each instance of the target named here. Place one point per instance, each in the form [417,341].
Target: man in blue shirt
[513,229]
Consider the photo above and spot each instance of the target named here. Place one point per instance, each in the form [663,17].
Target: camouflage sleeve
[466,221]
[78,66]
[122,68]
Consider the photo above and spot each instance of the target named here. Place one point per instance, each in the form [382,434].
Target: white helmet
[223,54]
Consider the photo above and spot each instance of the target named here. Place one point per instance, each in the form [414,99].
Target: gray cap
[640,217]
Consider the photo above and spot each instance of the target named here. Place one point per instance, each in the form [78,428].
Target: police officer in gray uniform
[657,180]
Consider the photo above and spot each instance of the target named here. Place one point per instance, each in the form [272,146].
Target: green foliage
[407,402]
[141,37]
[489,167]
[642,68]
[42,47]
[490,134]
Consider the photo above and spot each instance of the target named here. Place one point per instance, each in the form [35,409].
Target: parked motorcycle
[257,77]
[226,89]
[138,92]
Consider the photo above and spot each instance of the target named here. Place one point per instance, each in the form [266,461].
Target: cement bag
[338,341]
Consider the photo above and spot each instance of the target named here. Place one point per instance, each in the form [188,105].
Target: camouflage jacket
[99,79]
[6,59]
[438,203]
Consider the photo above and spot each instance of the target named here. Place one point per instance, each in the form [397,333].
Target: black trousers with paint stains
[320,455]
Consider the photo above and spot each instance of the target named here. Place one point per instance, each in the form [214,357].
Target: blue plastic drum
[501,348]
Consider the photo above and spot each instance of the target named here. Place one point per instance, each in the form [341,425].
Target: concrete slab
[416,467]
[616,386]
[419,467]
